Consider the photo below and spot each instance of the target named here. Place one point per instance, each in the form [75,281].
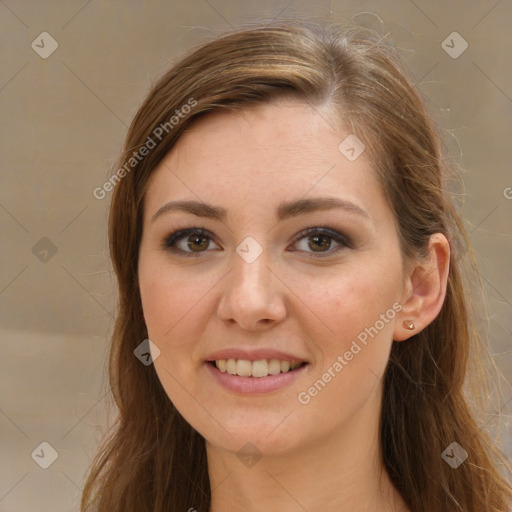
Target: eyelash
[343,240]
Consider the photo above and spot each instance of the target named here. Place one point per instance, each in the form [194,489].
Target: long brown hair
[152,459]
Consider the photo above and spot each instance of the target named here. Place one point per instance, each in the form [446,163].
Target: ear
[425,289]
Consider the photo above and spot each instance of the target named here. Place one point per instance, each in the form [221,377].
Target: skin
[323,455]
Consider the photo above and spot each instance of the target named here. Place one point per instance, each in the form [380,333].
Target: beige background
[63,121]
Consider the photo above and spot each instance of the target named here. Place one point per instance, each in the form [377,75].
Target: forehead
[270,152]
[286,129]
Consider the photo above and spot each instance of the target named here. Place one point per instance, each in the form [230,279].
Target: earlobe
[409,324]
[425,289]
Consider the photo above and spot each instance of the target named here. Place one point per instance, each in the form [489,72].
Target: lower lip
[254,385]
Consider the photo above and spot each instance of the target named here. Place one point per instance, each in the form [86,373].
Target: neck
[343,472]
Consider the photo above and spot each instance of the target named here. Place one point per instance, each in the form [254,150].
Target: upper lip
[253,355]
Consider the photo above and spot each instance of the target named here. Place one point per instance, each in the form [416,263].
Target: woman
[281,233]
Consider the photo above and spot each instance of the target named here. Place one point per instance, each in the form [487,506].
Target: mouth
[256,369]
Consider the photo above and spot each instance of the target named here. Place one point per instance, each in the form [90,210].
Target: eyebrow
[284,211]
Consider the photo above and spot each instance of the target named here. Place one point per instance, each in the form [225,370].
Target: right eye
[188,242]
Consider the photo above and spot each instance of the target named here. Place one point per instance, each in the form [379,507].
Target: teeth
[259,368]
[230,366]
[274,367]
[243,368]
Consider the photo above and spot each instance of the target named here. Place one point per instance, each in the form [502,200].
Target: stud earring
[409,324]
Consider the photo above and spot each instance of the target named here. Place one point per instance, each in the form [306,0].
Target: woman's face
[254,291]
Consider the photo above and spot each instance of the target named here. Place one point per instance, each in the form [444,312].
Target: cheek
[158,303]
[168,300]
[339,306]
[351,331]
[170,305]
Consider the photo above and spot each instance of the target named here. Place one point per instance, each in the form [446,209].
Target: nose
[252,295]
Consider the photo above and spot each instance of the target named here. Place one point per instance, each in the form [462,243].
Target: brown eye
[197,243]
[188,242]
[319,241]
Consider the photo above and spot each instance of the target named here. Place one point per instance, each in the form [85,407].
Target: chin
[266,434]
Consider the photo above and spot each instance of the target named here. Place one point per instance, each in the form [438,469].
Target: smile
[257,377]
[259,368]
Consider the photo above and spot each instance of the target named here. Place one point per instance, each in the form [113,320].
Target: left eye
[194,241]
[320,240]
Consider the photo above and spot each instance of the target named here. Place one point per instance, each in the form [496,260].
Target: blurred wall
[72,75]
